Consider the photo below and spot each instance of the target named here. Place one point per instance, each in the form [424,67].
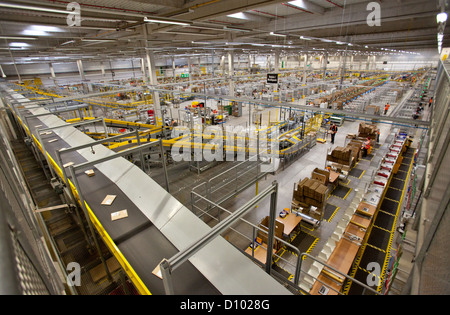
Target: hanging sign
[272,78]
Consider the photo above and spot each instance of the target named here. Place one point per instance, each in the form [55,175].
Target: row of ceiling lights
[46,30]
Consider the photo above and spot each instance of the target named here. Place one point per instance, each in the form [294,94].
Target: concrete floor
[182,181]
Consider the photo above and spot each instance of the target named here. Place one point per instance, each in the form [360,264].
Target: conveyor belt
[157,225]
[377,248]
[135,227]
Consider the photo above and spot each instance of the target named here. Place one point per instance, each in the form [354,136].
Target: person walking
[333,131]
[386,108]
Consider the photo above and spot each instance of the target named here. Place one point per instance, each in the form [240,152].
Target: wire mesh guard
[30,281]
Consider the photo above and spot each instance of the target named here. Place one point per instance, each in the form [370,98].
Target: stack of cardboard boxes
[355,146]
[341,155]
[310,192]
[367,131]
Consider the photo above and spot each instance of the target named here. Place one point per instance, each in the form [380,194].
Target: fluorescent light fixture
[17,44]
[35,33]
[305,38]
[239,15]
[68,42]
[236,29]
[98,40]
[441,17]
[41,30]
[17,38]
[31,8]
[166,21]
[276,34]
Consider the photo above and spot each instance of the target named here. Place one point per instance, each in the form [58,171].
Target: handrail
[339,272]
[167,266]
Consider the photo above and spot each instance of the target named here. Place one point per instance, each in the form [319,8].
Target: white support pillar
[230,64]
[231,74]
[52,71]
[102,67]
[173,67]
[268,63]
[81,70]
[305,66]
[190,70]
[325,65]
[277,62]
[153,80]
[3,73]
[152,72]
[144,74]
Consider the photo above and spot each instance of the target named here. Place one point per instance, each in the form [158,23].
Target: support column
[231,74]
[305,66]
[268,63]
[222,65]
[190,70]
[81,70]
[2,72]
[153,80]
[212,64]
[344,63]
[152,72]
[102,67]
[52,71]
[325,65]
[277,62]
[173,67]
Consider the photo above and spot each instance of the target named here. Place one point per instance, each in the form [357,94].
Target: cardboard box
[312,193]
[307,188]
[321,192]
[322,175]
[319,177]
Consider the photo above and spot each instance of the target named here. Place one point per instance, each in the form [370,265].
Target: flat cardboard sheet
[119,215]
[109,199]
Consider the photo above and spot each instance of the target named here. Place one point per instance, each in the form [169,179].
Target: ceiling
[116,28]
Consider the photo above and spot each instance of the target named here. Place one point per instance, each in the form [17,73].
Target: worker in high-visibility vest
[333,131]
[386,108]
[366,146]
